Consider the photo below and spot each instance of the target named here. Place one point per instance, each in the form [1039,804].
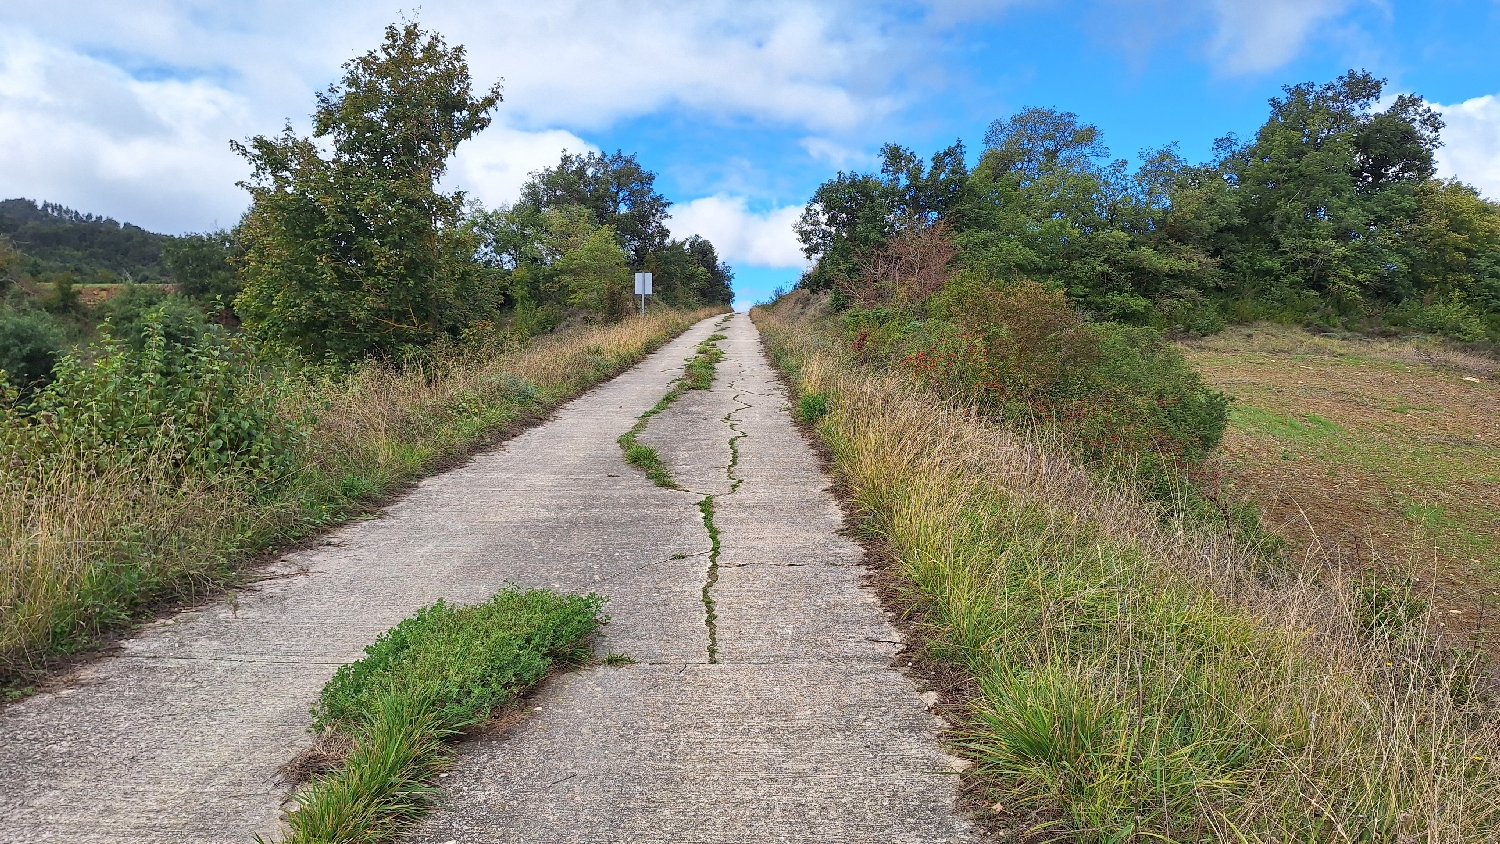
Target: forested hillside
[54,240]
[1330,214]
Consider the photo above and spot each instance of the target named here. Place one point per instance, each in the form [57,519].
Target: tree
[202,266]
[615,188]
[1328,186]
[852,215]
[357,252]
[594,276]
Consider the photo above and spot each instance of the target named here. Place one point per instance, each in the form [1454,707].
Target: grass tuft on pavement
[421,683]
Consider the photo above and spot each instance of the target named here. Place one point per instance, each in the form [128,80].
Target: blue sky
[741,108]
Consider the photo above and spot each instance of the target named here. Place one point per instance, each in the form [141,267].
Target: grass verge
[1138,677]
[86,551]
[420,684]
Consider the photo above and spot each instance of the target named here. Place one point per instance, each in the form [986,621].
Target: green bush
[1115,393]
[177,320]
[198,405]
[811,407]
[31,342]
[1451,316]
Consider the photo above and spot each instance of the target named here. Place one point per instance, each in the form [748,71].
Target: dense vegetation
[1330,214]
[986,353]
[58,241]
[355,328]
[349,249]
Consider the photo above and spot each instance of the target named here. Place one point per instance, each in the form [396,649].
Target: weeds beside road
[1141,676]
[91,539]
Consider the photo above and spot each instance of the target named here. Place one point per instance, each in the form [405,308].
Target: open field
[1379,456]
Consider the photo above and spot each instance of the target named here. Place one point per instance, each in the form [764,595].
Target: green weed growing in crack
[734,445]
[711,618]
[698,374]
[420,685]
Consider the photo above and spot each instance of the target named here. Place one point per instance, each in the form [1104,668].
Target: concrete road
[797,730]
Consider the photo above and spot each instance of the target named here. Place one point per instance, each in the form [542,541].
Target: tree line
[1331,214]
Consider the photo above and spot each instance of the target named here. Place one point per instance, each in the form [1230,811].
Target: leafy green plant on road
[698,374]
[421,683]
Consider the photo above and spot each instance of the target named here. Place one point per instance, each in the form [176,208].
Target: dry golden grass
[84,551]
[1142,678]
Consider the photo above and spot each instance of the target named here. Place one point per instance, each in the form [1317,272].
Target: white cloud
[836,154]
[493,165]
[742,236]
[1471,143]
[79,131]
[1254,37]
[128,109]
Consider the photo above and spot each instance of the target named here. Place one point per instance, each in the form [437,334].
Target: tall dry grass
[86,547]
[1141,677]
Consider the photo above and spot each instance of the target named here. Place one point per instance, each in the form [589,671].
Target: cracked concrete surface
[800,732]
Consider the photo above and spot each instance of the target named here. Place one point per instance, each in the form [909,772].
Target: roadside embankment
[1135,676]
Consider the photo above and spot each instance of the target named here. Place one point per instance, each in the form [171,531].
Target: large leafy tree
[354,250]
[201,265]
[1328,187]
[564,208]
[851,216]
[615,188]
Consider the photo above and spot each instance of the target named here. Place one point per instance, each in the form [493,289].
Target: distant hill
[54,239]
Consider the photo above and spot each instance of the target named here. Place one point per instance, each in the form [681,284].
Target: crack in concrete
[661,474]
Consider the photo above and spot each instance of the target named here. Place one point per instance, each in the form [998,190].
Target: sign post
[643,289]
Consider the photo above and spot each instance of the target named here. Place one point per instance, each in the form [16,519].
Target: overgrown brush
[134,483]
[1141,677]
[422,682]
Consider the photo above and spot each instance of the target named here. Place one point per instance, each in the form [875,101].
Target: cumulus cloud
[742,236]
[128,109]
[494,164]
[1254,37]
[80,131]
[1471,143]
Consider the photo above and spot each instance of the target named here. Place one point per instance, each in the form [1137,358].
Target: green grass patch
[1306,428]
[420,684]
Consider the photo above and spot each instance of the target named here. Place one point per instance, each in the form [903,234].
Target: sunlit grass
[84,552]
